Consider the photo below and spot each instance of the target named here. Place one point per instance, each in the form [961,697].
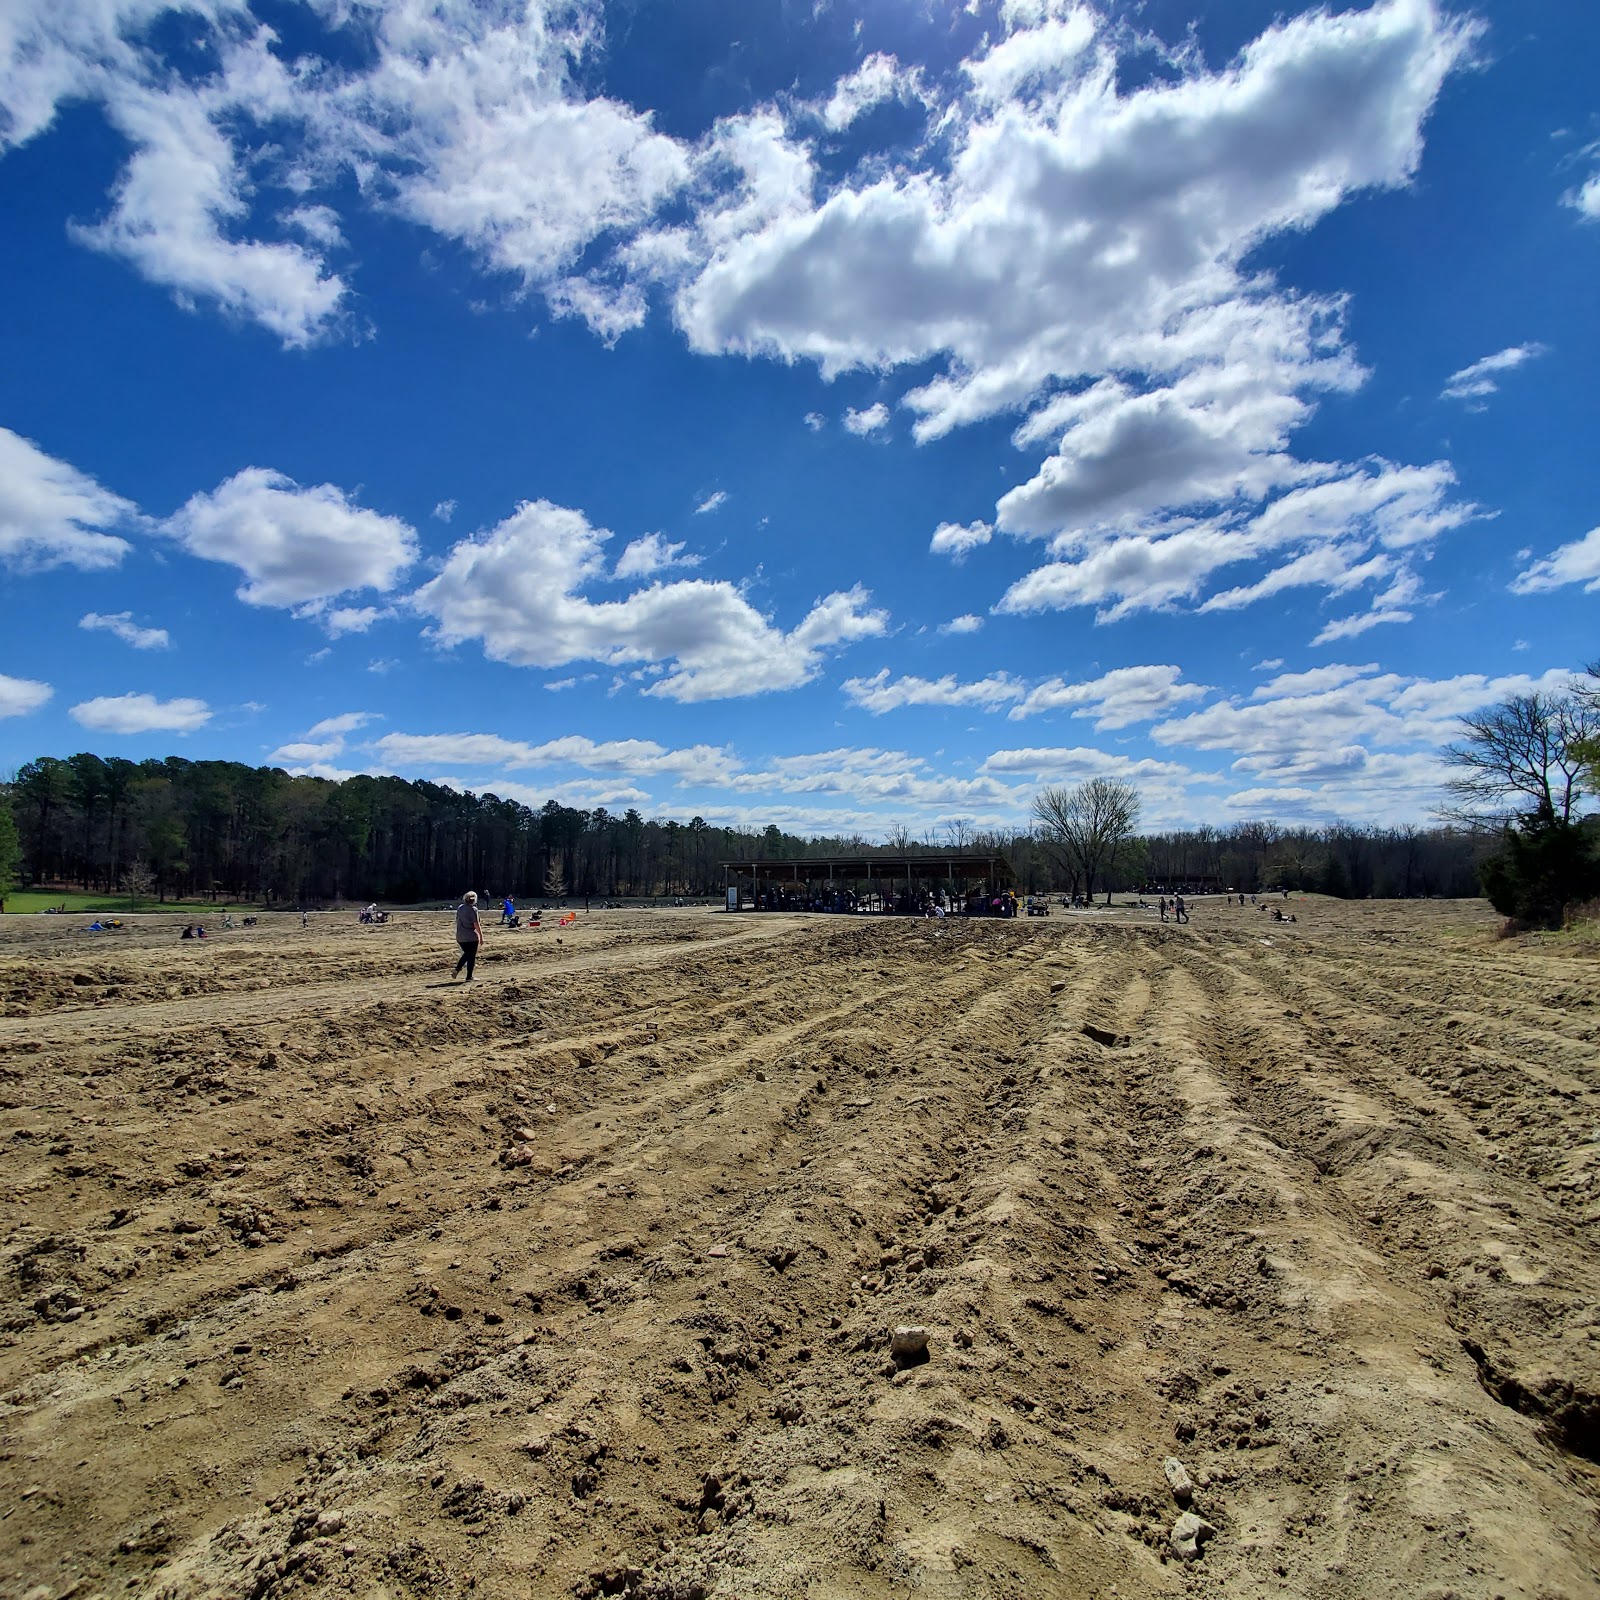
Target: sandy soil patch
[319,1274]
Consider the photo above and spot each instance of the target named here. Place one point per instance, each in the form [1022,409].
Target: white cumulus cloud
[140,713]
[52,515]
[653,553]
[19,696]
[956,539]
[1116,699]
[517,589]
[1345,531]
[868,420]
[878,78]
[297,547]
[881,692]
[179,194]
[638,758]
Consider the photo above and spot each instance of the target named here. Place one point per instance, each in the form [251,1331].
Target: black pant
[469,954]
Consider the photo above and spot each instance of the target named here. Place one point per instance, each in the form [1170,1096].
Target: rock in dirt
[1178,1477]
[1189,1534]
[908,1346]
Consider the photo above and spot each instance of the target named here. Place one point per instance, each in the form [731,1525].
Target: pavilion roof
[988,865]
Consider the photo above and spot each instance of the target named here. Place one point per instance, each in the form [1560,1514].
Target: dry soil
[322,1275]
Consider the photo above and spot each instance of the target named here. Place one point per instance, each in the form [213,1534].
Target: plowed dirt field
[320,1275]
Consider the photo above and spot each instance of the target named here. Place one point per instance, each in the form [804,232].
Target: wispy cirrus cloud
[1578,562]
[1482,378]
[120,625]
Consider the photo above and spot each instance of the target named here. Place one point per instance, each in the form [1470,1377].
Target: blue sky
[836,415]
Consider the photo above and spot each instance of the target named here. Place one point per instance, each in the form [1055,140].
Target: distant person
[508,913]
[188,931]
[469,933]
[1163,908]
[1179,909]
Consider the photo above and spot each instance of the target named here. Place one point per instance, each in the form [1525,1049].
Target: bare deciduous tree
[957,832]
[1523,756]
[1085,828]
[137,882]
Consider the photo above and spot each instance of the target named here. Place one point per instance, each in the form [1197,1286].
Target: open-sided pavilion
[881,882]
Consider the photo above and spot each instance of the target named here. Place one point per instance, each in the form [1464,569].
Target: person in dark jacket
[469,933]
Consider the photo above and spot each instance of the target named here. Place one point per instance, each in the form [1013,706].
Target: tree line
[177,828]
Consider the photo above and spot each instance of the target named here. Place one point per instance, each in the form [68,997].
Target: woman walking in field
[469,933]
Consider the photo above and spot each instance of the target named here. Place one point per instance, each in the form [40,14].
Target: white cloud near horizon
[140,713]
[1315,716]
[52,515]
[636,758]
[344,722]
[516,589]
[323,743]
[19,696]
[1077,762]
[1116,699]
[121,625]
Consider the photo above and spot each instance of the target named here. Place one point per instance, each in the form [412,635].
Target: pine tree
[10,851]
